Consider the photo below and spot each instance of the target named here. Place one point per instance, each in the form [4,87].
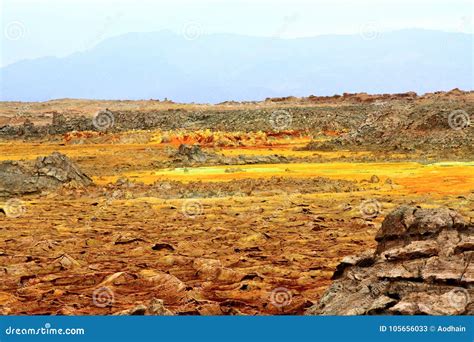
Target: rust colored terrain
[237,208]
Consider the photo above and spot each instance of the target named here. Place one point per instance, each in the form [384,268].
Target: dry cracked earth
[152,207]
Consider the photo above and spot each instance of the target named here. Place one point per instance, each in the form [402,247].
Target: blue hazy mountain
[219,67]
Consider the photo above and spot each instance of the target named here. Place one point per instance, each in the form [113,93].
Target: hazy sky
[36,28]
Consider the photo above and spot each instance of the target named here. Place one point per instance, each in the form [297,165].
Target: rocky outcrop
[423,265]
[436,122]
[46,173]
[191,155]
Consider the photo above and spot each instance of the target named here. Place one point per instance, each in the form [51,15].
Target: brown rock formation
[19,178]
[422,265]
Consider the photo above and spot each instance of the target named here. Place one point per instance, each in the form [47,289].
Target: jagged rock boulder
[46,173]
[191,153]
[423,265]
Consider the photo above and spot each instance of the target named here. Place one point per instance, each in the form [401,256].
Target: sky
[38,28]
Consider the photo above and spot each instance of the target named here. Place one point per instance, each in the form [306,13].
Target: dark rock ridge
[248,120]
[401,124]
[421,266]
[46,173]
[190,155]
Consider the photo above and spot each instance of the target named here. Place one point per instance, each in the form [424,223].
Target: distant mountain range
[219,67]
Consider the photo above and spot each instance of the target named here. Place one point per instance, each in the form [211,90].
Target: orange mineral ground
[253,214]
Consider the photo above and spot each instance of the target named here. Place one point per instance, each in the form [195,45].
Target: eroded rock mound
[422,265]
[191,155]
[46,173]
